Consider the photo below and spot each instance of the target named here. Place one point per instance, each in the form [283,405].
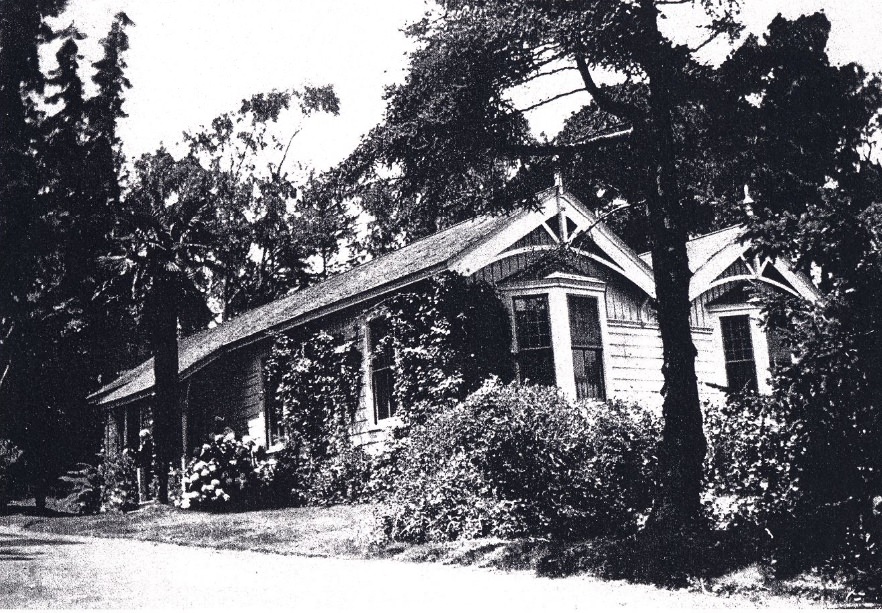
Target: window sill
[389,422]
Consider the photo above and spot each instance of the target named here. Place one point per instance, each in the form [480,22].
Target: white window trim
[557,287]
[757,338]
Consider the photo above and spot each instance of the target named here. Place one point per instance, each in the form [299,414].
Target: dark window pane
[384,397]
[537,366]
[380,356]
[533,333]
[533,329]
[584,321]
[587,347]
[133,427]
[738,352]
[588,370]
[382,379]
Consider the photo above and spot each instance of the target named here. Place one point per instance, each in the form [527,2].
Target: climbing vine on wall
[314,382]
[447,337]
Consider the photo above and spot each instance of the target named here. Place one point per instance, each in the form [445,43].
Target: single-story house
[585,323]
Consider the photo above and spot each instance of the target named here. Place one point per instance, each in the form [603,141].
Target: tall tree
[453,144]
[160,259]
[105,109]
[26,270]
[22,30]
[270,225]
[815,182]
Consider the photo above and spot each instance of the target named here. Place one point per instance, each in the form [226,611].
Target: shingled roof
[393,270]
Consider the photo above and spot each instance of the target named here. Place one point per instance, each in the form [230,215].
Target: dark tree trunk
[166,413]
[683,445]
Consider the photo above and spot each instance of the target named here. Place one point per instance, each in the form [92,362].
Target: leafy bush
[9,457]
[111,486]
[752,467]
[518,461]
[86,485]
[119,482]
[227,472]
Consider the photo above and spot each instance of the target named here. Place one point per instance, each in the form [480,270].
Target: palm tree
[162,259]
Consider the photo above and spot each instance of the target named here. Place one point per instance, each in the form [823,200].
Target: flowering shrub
[519,461]
[118,481]
[9,457]
[226,472]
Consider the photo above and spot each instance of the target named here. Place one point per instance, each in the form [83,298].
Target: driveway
[43,571]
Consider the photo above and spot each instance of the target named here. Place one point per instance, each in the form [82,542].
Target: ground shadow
[24,549]
[658,559]
[29,510]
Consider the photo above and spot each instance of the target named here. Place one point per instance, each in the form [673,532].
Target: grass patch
[339,531]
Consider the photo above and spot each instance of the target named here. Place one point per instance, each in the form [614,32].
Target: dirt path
[43,571]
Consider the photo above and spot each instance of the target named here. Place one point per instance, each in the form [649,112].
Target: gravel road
[44,571]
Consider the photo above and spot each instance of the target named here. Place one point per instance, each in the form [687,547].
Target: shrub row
[519,461]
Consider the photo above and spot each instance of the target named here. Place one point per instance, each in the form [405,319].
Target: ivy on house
[447,338]
[314,383]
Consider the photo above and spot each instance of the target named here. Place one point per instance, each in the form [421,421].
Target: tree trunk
[165,372]
[683,445]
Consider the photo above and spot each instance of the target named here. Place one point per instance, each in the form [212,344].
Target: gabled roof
[711,254]
[418,260]
[465,247]
[702,248]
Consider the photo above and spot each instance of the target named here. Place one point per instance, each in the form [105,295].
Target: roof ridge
[726,229]
[700,236]
[358,266]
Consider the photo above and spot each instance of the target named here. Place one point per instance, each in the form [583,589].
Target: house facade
[582,317]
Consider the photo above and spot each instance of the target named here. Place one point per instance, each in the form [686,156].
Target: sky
[191,60]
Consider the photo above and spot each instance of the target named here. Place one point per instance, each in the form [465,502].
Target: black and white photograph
[440,305]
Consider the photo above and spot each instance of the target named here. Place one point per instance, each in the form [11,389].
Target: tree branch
[285,155]
[591,144]
[545,73]
[552,99]
[709,40]
[604,101]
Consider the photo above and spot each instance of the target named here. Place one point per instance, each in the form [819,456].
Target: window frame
[596,347]
[370,387]
[557,287]
[758,340]
[742,345]
[519,351]
[274,436]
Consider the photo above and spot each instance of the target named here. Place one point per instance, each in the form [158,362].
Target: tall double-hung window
[738,352]
[382,375]
[587,346]
[533,334]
